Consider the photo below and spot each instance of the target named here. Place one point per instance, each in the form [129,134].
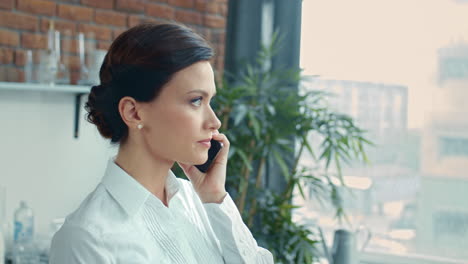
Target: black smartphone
[216,146]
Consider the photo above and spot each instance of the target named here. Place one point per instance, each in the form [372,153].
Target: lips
[205,142]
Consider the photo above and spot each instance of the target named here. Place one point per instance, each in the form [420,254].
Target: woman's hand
[210,186]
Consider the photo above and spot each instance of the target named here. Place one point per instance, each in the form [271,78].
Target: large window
[399,68]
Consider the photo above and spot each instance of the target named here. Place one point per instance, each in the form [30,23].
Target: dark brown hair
[138,64]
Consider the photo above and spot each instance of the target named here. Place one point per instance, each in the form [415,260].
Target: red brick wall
[24,25]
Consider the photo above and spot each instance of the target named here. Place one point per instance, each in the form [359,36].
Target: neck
[149,171]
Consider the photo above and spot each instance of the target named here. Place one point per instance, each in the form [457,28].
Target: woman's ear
[129,111]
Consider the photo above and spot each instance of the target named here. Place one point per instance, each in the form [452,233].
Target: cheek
[181,123]
[177,127]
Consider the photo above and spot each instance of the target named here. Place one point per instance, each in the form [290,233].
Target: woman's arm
[236,243]
[235,239]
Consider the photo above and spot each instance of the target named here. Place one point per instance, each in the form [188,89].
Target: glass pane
[400,69]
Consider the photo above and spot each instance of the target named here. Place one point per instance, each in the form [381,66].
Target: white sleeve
[237,243]
[75,245]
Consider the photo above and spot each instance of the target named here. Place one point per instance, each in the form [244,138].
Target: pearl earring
[140,126]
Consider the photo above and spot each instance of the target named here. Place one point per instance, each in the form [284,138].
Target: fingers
[222,157]
[221,138]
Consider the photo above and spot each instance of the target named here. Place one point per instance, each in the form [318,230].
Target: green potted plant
[267,120]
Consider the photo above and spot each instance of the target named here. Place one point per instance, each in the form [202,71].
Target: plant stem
[238,198]
[290,186]
[258,183]
[246,175]
[296,161]
[227,112]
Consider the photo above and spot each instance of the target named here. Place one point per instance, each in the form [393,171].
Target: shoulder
[75,244]
[80,237]
[97,213]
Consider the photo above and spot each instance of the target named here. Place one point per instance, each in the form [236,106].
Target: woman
[154,101]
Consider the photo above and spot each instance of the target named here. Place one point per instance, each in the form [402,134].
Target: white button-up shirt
[122,222]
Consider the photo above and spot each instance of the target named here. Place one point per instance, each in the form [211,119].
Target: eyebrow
[200,91]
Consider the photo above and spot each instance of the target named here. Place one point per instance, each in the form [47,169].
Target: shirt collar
[128,192]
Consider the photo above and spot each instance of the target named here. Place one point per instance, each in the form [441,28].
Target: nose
[213,122]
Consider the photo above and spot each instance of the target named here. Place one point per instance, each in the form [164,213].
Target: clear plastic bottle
[24,248]
[24,223]
[26,252]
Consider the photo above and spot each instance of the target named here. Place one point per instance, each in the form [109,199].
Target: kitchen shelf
[62,88]
[76,90]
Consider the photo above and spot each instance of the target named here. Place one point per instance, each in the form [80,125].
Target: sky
[385,41]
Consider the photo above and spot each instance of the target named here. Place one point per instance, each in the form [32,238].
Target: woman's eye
[197,101]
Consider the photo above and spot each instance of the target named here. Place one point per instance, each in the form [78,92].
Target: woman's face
[181,116]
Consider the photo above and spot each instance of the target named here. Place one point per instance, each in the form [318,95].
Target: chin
[200,159]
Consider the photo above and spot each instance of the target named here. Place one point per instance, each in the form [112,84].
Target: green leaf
[255,124]
[271,109]
[307,145]
[241,111]
[299,186]
[282,164]
[244,158]
[366,141]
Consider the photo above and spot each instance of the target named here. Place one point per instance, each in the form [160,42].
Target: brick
[161,11]
[100,32]
[219,38]
[39,7]
[33,41]
[66,28]
[9,38]
[18,21]
[189,17]
[109,4]
[197,29]
[6,55]
[206,34]
[37,56]
[130,5]
[11,74]
[220,50]
[20,57]
[117,32]
[214,21]
[21,76]
[7,4]
[103,45]
[219,62]
[73,62]
[71,45]
[181,3]
[74,76]
[69,1]
[134,20]
[207,6]
[3,74]
[73,12]
[154,20]
[110,18]
[223,9]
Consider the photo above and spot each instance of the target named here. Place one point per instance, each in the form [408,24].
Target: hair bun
[96,110]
